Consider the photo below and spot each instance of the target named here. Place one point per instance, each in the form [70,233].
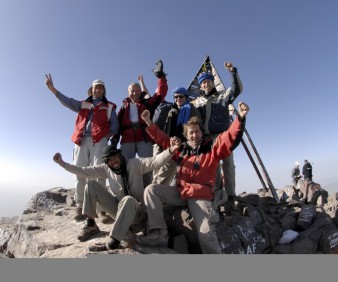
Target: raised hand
[140,78]
[49,83]
[58,159]
[175,144]
[243,109]
[145,115]
[228,66]
[158,70]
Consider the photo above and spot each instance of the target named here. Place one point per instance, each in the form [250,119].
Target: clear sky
[285,52]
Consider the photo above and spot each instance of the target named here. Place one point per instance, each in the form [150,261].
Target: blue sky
[285,52]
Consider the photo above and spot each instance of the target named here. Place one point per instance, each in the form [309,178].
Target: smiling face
[207,85]
[193,132]
[98,91]
[134,91]
[194,135]
[179,99]
[115,162]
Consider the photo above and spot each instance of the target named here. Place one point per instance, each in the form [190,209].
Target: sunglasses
[178,97]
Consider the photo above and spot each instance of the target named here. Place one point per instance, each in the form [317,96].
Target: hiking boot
[87,232]
[105,218]
[78,214]
[155,237]
[113,244]
[138,227]
[98,247]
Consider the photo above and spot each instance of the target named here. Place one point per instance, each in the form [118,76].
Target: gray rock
[254,225]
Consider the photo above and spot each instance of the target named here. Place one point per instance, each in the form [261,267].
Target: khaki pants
[125,212]
[88,154]
[143,150]
[202,212]
[228,167]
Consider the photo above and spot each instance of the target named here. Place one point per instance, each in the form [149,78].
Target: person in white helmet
[295,174]
[96,122]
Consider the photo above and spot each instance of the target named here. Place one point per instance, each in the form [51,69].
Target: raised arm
[227,141]
[162,87]
[158,136]
[143,86]
[97,171]
[58,159]
[49,83]
[69,103]
[243,110]
[236,87]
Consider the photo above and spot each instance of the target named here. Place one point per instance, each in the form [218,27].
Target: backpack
[161,114]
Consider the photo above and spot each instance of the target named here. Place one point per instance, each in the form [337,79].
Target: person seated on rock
[125,204]
[197,161]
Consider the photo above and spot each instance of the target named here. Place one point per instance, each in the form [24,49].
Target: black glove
[158,70]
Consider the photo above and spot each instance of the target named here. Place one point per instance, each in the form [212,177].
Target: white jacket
[136,167]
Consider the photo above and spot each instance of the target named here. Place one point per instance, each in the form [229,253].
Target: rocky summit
[303,221]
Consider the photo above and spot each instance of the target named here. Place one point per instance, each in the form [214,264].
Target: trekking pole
[254,164]
[252,160]
[260,162]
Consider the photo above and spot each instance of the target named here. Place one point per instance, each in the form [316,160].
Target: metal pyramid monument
[207,66]
[250,149]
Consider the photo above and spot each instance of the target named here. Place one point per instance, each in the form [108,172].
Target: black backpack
[161,114]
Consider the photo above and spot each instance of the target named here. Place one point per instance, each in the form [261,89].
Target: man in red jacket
[197,161]
[96,122]
[132,135]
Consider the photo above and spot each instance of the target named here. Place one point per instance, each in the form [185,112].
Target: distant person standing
[96,122]
[307,171]
[295,174]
